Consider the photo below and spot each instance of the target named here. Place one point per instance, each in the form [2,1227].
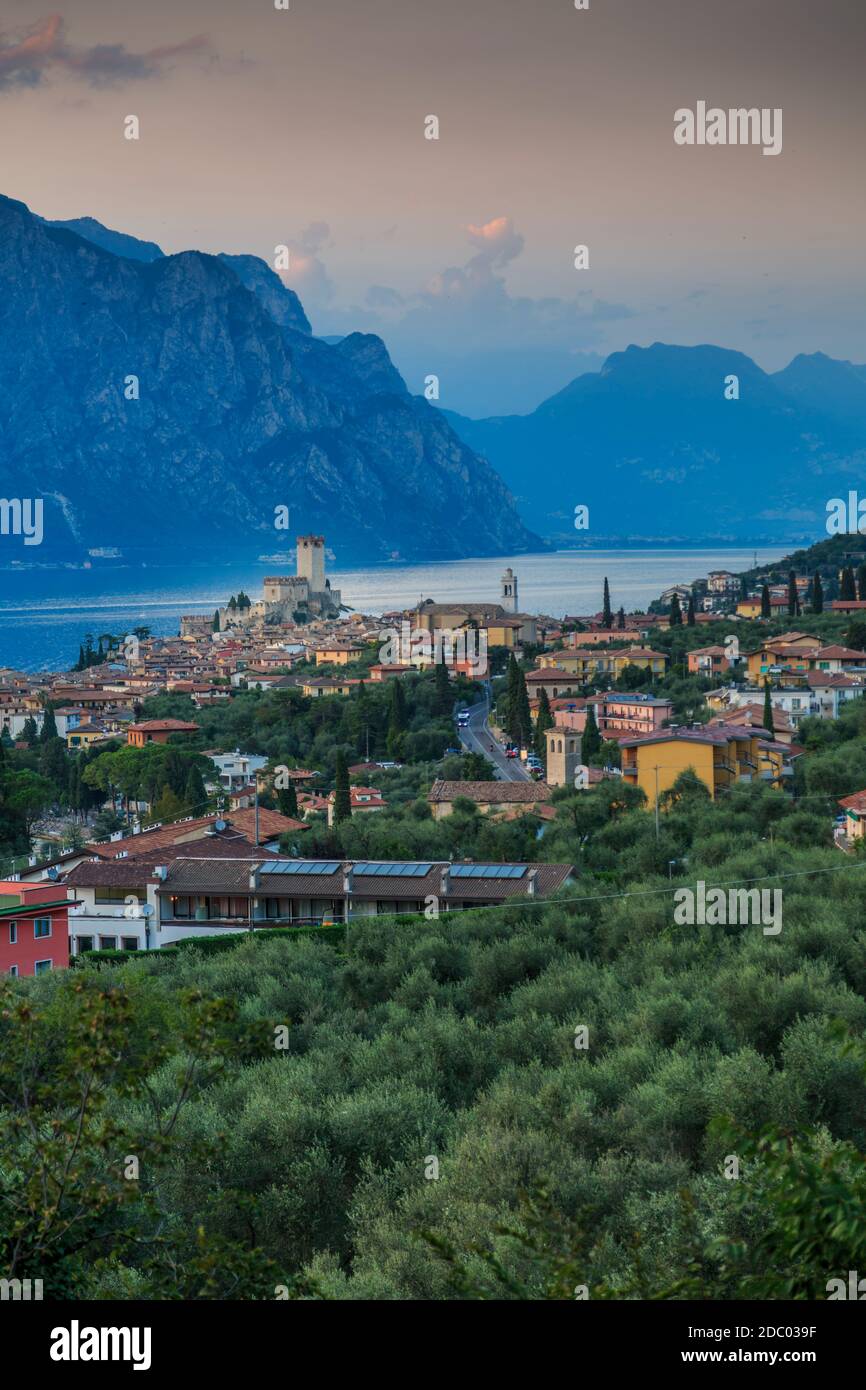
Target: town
[172,787]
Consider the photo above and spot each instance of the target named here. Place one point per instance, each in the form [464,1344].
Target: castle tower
[311,562]
[509,591]
[563,756]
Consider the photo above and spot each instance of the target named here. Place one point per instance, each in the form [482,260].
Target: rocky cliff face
[168,406]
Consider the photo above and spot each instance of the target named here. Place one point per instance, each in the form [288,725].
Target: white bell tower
[509,591]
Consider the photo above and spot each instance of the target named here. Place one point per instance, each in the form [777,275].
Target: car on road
[511,752]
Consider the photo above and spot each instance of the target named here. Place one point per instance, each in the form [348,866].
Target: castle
[308,592]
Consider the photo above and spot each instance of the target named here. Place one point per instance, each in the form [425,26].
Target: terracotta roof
[838,654]
[490,793]
[271,825]
[164,726]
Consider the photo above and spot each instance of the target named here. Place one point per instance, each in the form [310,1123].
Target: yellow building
[317,686]
[339,653]
[588,665]
[85,735]
[720,757]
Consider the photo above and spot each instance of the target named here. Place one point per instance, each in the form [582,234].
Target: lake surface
[45,614]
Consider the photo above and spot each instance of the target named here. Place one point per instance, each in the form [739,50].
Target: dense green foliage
[416,1046]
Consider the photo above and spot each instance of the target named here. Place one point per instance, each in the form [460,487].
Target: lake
[44,614]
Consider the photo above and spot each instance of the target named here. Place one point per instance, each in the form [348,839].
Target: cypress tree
[443,697]
[766,606]
[605,608]
[768,711]
[690,616]
[847,589]
[543,721]
[49,726]
[398,720]
[861,583]
[817,594]
[287,800]
[620,620]
[590,742]
[794,596]
[194,794]
[676,614]
[342,799]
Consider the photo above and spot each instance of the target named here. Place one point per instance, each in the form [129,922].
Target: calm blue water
[44,614]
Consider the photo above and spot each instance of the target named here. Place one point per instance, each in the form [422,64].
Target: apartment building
[34,933]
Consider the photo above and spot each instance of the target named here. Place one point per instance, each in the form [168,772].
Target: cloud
[496,351]
[43,49]
[307,275]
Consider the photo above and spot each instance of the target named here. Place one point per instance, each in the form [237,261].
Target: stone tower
[509,591]
[563,757]
[311,562]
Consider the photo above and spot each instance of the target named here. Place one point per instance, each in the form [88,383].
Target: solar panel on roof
[488,870]
[368,869]
[303,866]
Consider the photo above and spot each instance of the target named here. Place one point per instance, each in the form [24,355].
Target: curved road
[477,738]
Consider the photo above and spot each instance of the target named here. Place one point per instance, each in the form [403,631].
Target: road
[477,738]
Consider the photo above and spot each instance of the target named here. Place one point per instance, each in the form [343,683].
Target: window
[13,933]
[41,967]
[84,943]
[13,970]
[108,943]
[129,943]
[42,927]
[118,895]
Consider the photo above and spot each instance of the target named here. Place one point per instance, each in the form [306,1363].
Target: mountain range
[652,446]
[167,405]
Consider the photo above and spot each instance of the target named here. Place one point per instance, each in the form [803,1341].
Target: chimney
[161,872]
[254,877]
[530,888]
[445,881]
[348,879]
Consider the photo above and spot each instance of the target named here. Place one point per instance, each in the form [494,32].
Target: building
[308,593]
[34,932]
[708,661]
[563,757]
[311,561]
[487,796]
[237,770]
[589,666]
[854,828]
[339,653]
[157,731]
[362,800]
[720,756]
[509,591]
[617,714]
[723,582]
[199,896]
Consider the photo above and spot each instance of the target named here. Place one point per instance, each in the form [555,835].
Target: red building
[34,930]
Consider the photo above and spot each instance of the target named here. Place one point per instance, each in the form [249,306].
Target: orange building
[157,731]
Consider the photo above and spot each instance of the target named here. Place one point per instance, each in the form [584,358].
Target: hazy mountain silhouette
[654,449]
[240,410]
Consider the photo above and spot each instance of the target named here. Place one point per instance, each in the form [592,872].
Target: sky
[306,128]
